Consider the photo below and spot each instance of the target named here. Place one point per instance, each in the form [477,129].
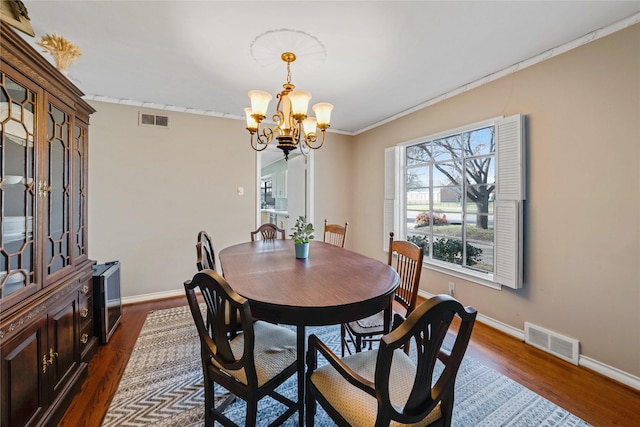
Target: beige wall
[582,247]
[333,165]
[153,189]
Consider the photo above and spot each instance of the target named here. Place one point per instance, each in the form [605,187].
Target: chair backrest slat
[205,255]
[408,265]
[268,232]
[335,234]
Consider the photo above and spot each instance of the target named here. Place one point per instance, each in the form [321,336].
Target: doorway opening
[285,188]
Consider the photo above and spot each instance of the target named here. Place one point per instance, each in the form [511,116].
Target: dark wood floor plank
[581,391]
[106,368]
[596,399]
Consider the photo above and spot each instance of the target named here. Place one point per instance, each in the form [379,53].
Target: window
[266,193]
[459,195]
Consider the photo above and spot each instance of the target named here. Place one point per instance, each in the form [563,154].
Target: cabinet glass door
[57,191]
[18,191]
[79,191]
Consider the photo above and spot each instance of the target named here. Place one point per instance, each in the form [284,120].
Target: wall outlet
[452,288]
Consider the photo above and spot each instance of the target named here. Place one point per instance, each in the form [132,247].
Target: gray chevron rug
[162,386]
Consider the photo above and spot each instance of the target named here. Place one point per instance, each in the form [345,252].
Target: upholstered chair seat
[358,407]
[274,350]
[369,325]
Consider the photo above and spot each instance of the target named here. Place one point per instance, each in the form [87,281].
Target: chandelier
[293,128]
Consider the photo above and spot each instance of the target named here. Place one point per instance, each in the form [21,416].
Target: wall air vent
[145,119]
[559,345]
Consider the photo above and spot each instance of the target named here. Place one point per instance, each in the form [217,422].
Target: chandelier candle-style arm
[293,128]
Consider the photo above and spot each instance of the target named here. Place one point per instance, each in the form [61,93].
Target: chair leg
[310,411]
[252,412]
[358,344]
[209,402]
[343,338]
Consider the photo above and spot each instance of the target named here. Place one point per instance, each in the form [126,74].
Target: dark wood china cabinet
[46,312]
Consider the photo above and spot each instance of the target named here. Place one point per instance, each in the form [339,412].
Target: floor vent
[563,347]
[145,119]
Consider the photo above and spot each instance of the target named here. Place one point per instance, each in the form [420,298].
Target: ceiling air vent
[145,119]
[559,345]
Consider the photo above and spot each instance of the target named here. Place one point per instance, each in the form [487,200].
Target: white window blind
[508,243]
[510,192]
[510,158]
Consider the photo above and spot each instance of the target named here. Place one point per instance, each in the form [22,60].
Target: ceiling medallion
[267,47]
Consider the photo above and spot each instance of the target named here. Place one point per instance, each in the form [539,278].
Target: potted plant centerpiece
[302,233]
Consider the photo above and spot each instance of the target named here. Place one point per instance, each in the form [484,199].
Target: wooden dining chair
[408,265]
[335,234]
[206,260]
[268,232]
[251,363]
[386,386]
[205,255]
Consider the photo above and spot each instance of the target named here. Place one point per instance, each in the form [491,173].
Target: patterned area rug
[162,386]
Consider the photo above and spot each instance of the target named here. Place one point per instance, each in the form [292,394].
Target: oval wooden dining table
[332,286]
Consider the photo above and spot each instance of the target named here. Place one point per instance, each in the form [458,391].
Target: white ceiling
[382,57]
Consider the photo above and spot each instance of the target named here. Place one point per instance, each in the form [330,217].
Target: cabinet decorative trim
[34,312]
[38,79]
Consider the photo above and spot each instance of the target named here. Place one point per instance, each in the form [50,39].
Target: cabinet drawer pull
[52,355]
[85,289]
[84,338]
[84,312]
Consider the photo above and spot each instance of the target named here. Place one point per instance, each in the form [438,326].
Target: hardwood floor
[592,397]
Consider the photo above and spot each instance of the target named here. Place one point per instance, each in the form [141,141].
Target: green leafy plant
[449,250]
[302,231]
[420,241]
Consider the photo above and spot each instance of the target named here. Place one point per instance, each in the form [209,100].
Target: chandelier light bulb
[309,125]
[323,114]
[299,102]
[259,102]
[252,124]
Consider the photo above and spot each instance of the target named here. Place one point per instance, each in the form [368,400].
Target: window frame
[509,201]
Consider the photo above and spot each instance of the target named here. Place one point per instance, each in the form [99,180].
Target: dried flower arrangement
[63,51]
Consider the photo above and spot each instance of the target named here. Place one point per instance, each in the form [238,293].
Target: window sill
[481,279]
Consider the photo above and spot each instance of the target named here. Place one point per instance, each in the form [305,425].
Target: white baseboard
[587,362]
[611,372]
[502,327]
[153,296]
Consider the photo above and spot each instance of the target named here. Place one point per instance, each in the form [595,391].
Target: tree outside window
[450,185]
